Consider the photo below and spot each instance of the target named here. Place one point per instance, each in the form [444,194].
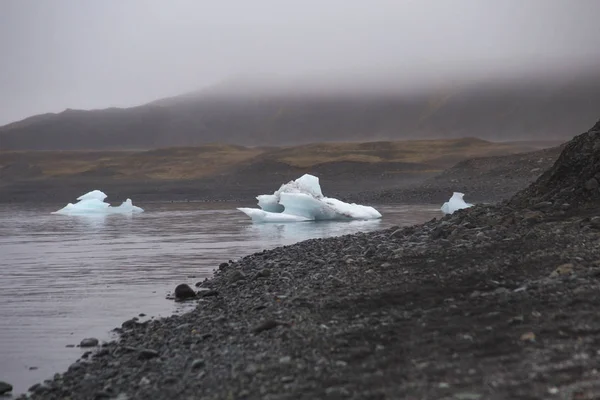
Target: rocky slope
[482,179]
[492,302]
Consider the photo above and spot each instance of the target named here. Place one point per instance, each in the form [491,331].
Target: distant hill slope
[539,109]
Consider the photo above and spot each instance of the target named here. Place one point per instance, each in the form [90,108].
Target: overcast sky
[57,54]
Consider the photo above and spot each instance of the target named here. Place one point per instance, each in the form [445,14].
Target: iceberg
[93,203]
[302,200]
[456,202]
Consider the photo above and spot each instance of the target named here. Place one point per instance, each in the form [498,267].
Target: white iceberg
[93,203]
[302,200]
[456,202]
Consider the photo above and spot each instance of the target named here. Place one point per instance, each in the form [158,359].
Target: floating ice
[456,202]
[303,200]
[93,203]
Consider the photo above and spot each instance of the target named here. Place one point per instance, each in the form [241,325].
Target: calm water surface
[66,278]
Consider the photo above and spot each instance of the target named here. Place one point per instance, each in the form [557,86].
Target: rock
[563,269]
[591,184]
[130,323]
[263,273]
[147,354]
[595,222]
[265,326]
[223,265]
[528,337]
[89,342]
[102,353]
[397,234]
[198,363]
[184,292]
[544,205]
[5,388]
[370,252]
[533,216]
[235,276]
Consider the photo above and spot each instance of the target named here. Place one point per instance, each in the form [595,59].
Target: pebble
[89,342]
[184,292]
[147,354]
[5,388]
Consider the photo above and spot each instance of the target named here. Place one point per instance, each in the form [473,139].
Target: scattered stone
[595,222]
[5,388]
[198,363]
[263,273]
[236,275]
[223,265]
[89,342]
[184,292]
[528,337]
[533,216]
[591,184]
[147,354]
[130,323]
[564,269]
[265,326]
[544,205]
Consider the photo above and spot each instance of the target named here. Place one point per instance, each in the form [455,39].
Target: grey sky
[58,54]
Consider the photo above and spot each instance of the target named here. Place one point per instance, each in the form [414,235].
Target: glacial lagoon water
[65,278]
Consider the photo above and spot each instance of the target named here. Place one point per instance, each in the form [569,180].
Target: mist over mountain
[256,111]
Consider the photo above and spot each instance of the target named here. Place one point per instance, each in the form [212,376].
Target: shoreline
[362,316]
[491,302]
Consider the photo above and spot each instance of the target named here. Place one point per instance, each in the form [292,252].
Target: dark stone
[199,363]
[544,205]
[595,222]
[102,395]
[265,326]
[130,323]
[89,342]
[369,253]
[5,388]
[102,353]
[263,273]
[184,292]
[591,184]
[235,276]
[147,354]
[397,234]
[223,265]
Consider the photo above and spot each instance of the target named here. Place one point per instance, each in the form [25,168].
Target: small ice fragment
[456,202]
[93,203]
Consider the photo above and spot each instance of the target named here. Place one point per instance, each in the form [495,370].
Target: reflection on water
[64,278]
[295,232]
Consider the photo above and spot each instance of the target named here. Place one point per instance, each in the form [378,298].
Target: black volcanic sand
[493,302]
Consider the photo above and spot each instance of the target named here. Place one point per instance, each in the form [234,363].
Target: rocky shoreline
[492,302]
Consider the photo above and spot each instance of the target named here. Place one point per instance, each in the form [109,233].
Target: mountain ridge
[537,109]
